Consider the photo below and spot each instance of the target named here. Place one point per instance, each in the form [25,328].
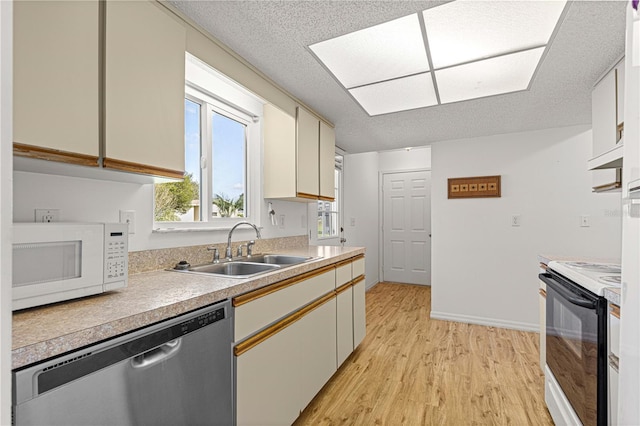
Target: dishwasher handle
[157,355]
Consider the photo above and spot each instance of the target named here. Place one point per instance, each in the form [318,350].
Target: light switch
[515,220]
[584,221]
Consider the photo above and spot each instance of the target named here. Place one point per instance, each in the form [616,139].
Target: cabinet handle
[543,293]
[614,361]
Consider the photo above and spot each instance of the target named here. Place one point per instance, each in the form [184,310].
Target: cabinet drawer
[257,309]
[343,273]
[357,267]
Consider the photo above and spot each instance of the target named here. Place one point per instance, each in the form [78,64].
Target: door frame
[381,174]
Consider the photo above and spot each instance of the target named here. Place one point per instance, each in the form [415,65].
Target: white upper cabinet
[308,133]
[327,161]
[603,114]
[607,117]
[84,91]
[298,156]
[55,80]
[144,89]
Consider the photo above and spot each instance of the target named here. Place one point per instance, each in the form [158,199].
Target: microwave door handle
[566,294]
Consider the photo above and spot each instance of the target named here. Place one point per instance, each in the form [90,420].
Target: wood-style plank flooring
[412,370]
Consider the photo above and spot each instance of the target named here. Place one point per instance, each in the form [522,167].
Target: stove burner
[599,267]
[615,280]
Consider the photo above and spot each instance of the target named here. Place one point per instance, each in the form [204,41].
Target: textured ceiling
[274,35]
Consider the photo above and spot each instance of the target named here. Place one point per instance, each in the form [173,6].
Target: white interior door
[406,227]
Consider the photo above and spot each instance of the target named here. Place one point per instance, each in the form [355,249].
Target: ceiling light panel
[463,31]
[396,95]
[489,77]
[382,52]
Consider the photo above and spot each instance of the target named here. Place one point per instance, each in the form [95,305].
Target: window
[329,212]
[222,147]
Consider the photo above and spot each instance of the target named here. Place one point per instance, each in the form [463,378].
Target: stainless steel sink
[278,259]
[233,269]
[244,267]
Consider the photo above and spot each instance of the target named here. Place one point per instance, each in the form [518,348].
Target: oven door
[576,336]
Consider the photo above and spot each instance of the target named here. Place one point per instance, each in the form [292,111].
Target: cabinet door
[308,128]
[327,161]
[278,377]
[344,316]
[359,315]
[279,153]
[144,89]
[542,299]
[603,114]
[55,78]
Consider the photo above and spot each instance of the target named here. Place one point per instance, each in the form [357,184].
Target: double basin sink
[245,267]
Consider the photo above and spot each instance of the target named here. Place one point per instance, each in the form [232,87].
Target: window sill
[170,230]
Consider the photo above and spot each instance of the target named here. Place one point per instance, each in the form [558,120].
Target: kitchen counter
[612,295]
[546,258]
[150,297]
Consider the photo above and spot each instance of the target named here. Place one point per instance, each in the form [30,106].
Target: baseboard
[491,322]
[367,288]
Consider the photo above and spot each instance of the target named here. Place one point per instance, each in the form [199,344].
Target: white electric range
[592,276]
[576,338]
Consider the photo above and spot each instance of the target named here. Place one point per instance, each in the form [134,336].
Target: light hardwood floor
[411,370]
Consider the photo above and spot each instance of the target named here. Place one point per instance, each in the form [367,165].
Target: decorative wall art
[474,187]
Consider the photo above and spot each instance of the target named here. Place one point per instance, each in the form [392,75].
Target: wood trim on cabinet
[358,257]
[261,292]
[343,263]
[615,310]
[305,195]
[255,340]
[50,154]
[127,166]
[357,279]
[323,198]
[543,292]
[344,287]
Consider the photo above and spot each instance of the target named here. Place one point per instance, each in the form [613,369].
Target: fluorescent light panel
[477,48]
[509,73]
[464,31]
[390,50]
[402,94]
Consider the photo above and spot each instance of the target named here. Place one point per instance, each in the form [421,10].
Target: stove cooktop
[592,276]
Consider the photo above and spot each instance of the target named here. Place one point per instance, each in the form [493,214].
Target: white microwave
[58,261]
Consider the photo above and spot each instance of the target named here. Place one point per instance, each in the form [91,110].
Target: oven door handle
[566,294]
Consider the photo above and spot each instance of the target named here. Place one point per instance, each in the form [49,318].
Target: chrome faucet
[228,251]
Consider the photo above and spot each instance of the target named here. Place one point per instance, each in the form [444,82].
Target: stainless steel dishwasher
[177,372]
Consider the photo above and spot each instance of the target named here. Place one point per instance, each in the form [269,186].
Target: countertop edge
[60,344]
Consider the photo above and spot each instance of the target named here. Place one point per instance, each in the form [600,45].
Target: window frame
[236,103]
[337,203]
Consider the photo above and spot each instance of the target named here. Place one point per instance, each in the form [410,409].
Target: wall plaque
[474,187]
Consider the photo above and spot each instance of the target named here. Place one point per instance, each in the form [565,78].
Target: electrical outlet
[47,215]
[352,221]
[281,225]
[515,220]
[584,221]
[129,217]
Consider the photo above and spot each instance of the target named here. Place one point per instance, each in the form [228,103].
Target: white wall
[6,155]
[361,198]
[485,270]
[93,200]
[361,207]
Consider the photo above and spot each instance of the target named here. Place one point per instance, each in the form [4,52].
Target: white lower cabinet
[359,316]
[277,378]
[543,324]
[291,337]
[344,317]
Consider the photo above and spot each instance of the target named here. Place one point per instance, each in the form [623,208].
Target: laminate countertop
[48,331]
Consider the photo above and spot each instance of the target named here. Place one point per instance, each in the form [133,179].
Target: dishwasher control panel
[202,321]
